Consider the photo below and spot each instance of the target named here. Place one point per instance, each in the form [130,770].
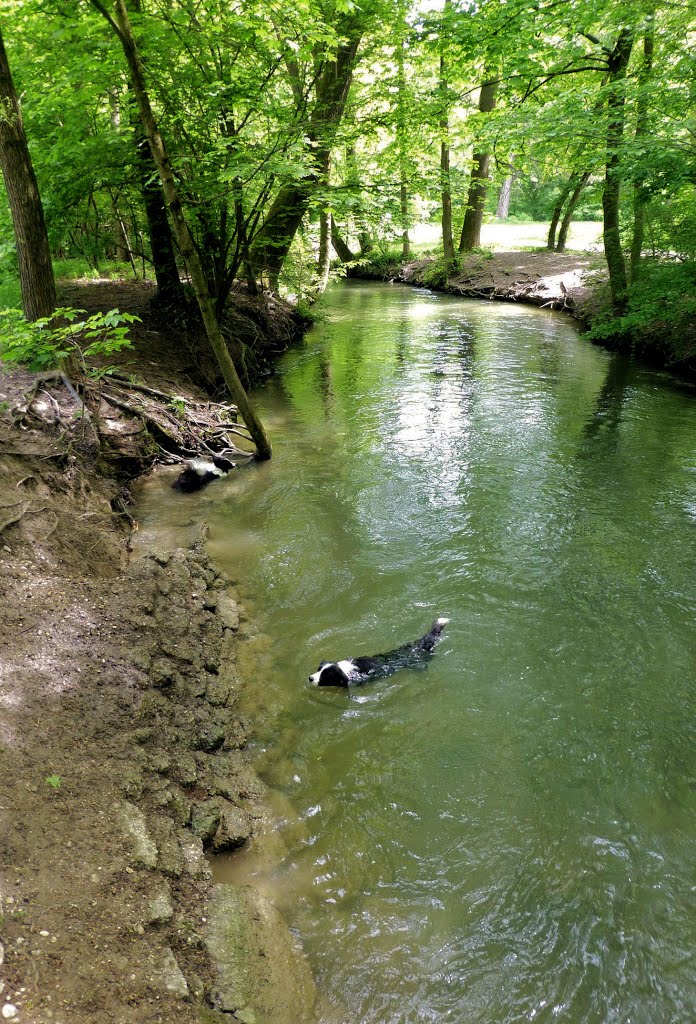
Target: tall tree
[617,61]
[444,130]
[121,24]
[642,128]
[333,79]
[476,200]
[33,253]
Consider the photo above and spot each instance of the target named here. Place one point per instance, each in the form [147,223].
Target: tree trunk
[445,180]
[478,186]
[570,210]
[557,211]
[33,254]
[405,240]
[324,259]
[169,287]
[642,127]
[611,196]
[341,249]
[402,136]
[502,211]
[446,199]
[122,26]
[272,243]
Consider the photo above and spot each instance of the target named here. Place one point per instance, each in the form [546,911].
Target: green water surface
[508,835]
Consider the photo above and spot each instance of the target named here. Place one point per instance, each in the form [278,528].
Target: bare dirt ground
[121,750]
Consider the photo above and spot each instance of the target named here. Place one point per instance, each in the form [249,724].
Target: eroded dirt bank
[549,279]
[121,748]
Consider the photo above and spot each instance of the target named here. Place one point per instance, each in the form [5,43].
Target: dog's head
[332,673]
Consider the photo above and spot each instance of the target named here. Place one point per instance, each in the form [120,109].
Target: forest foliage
[298,130]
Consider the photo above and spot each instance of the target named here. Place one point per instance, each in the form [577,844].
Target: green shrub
[44,343]
[660,311]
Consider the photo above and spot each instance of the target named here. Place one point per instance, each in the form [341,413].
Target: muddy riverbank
[122,750]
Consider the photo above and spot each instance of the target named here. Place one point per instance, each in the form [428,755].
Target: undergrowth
[660,314]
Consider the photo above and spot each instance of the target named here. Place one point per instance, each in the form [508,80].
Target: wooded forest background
[255,139]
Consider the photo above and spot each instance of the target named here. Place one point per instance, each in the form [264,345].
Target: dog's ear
[332,675]
[321,665]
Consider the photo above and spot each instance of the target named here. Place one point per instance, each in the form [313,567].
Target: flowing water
[507,835]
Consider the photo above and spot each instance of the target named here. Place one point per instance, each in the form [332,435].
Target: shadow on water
[607,413]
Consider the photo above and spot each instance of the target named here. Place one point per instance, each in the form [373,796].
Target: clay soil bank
[122,751]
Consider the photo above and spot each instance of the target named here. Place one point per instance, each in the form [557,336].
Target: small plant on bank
[54,781]
[178,406]
[439,271]
[43,344]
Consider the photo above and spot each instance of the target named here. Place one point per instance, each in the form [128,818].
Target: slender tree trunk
[169,288]
[611,196]
[402,136]
[478,186]
[121,24]
[325,219]
[405,219]
[340,248]
[502,210]
[33,254]
[446,199]
[557,211]
[570,210]
[642,127]
[445,180]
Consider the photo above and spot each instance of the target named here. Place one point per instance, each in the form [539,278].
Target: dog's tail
[427,642]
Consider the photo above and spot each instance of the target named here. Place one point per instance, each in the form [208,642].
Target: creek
[508,834]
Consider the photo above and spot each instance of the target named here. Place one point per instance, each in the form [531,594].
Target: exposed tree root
[128,424]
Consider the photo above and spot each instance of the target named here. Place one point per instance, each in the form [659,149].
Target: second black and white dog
[199,472]
[360,670]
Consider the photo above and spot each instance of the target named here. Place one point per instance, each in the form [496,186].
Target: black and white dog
[359,670]
[199,472]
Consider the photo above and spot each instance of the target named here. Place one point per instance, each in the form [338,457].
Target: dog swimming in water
[360,670]
[200,472]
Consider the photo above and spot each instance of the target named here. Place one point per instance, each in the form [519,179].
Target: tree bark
[162,249]
[502,210]
[611,196]
[122,26]
[478,186]
[169,286]
[556,215]
[402,136]
[325,220]
[33,253]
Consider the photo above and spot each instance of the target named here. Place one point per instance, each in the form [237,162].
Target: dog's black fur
[360,670]
[200,472]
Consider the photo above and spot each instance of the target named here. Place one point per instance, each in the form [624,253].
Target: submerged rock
[262,976]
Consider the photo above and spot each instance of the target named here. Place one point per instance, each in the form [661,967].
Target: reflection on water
[506,836]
